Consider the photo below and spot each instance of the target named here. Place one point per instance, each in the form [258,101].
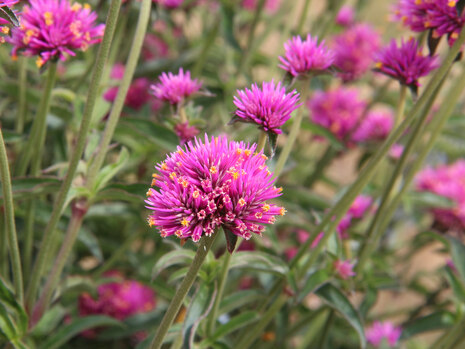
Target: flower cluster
[447,181]
[209,185]
[339,110]
[137,95]
[120,300]
[269,107]
[405,63]
[55,29]
[374,127]
[344,269]
[307,56]
[354,50]
[356,211]
[439,16]
[175,88]
[383,330]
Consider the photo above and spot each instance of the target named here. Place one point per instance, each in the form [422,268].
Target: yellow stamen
[39,62]
[241,202]
[185,222]
[48,16]
[213,170]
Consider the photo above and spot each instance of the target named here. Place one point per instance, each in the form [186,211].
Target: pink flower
[154,47]
[304,57]
[405,63]
[344,268]
[171,4]
[346,16]
[204,186]
[339,110]
[55,29]
[185,132]
[271,6]
[269,107]
[439,16]
[8,3]
[357,210]
[137,94]
[374,127]
[383,330]
[174,89]
[447,181]
[120,300]
[354,50]
[396,151]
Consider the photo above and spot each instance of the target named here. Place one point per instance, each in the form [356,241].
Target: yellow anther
[149,192]
[282,211]
[76,7]
[235,175]
[241,202]
[151,221]
[264,157]
[39,62]
[238,151]
[213,170]
[195,194]
[247,152]
[185,222]
[258,215]
[87,6]
[418,2]
[48,16]
[266,207]
[164,166]
[451,3]
[172,175]
[379,65]
[5,30]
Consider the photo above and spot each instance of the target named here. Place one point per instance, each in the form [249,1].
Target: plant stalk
[9,213]
[303,17]
[186,284]
[50,234]
[261,141]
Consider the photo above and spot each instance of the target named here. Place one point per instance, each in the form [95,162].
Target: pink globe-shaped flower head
[375,127]
[380,331]
[346,16]
[175,88]
[55,29]
[405,63]
[306,56]
[271,6]
[170,4]
[353,51]
[441,17]
[269,107]
[119,299]
[339,110]
[344,269]
[205,186]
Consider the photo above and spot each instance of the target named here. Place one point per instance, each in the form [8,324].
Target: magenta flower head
[441,17]
[354,50]
[405,63]
[374,127]
[339,110]
[8,17]
[269,107]
[175,88]
[344,269]
[137,95]
[55,29]
[305,57]
[356,211]
[271,6]
[170,4]
[205,186]
[383,330]
[447,181]
[120,300]
[185,132]
[346,16]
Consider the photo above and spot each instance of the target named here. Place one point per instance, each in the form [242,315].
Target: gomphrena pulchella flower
[55,29]
[207,185]
[175,88]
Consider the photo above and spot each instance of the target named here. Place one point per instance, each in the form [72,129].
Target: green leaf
[368,301]
[314,281]
[457,286]
[7,326]
[49,321]
[91,242]
[238,300]
[234,324]
[8,299]
[199,307]
[426,199]
[9,15]
[227,23]
[134,192]
[436,321]
[31,186]
[457,250]
[338,301]
[11,137]
[178,256]
[155,133]
[110,171]
[307,199]
[133,324]
[77,326]
[259,261]
[322,131]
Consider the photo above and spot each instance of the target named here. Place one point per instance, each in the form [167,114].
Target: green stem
[327,326]
[207,44]
[4,267]
[400,106]
[449,338]
[29,239]
[221,283]
[186,284]
[9,213]
[261,141]
[35,143]
[22,82]
[54,276]
[251,336]
[134,53]
[295,128]
[365,175]
[320,166]
[373,235]
[303,17]
[250,38]
[50,234]
[436,126]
